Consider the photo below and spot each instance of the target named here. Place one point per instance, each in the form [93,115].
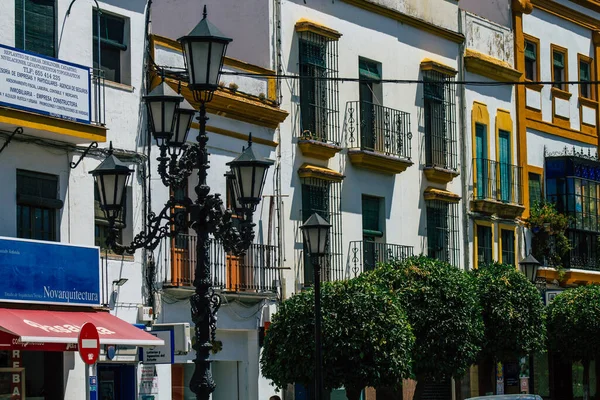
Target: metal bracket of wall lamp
[93,145]
[19,130]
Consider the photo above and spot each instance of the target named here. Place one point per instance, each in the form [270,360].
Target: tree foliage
[441,303]
[513,312]
[367,340]
[574,323]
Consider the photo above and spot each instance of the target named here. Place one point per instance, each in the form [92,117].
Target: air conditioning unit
[181,336]
[145,314]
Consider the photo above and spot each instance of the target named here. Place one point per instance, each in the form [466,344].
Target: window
[37,205]
[535,188]
[101,224]
[484,245]
[442,231]
[371,230]
[585,77]
[439,120]
[112,45]
[507,244]
[505,169]
[35,26]
[323,197]
[369,95]
[559,68]
[319,100]
[531,60]
[481,161]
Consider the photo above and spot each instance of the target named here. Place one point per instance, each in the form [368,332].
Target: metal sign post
[89,350]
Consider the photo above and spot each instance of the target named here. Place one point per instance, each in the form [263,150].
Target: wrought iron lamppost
[316,237]
[170,120]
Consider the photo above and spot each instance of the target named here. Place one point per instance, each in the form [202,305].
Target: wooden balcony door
[181,268]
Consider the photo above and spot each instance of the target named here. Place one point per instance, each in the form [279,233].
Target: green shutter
[535,189]
[370,216]
[368,70]
[530,51]
[558,59]
[38,29]
[584,71]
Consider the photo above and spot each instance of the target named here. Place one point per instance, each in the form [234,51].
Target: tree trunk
[586,379]
[420,388]
[353,393]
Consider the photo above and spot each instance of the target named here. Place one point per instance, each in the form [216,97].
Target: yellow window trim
[305,25]
[490,67]
[418,23]
[512,228]
[479,115]
[489,224]
[533,122]
[428,64]
[432,193]
[534,170]
[522,6]
[307,170]
[86,132]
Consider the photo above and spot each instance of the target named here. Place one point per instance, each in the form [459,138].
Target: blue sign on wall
[46,272]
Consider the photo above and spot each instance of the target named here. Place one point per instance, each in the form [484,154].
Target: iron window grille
[324,198]
[319,94]
[440,121]
[443,231]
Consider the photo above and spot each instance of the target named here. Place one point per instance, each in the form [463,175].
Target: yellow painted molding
[408,20]
[479,115]
[236,135]
[307,170]
[522,6]
[378,162]
[318,150]
[490,67]
[74,132]
[432,65]
[570,276]
[596,37]
[553,129]
[305,25]
[499,208]
[236,107]
[440,175]
[591,4]
[432,193]
[567,13]
[157,40]
[490,225]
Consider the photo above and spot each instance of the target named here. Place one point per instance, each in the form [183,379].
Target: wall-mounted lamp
[120,282]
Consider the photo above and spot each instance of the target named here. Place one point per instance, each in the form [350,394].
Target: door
[505,180]
[181,264]
[481,161]
[367,117]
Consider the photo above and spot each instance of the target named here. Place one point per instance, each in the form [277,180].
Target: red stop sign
[89,343]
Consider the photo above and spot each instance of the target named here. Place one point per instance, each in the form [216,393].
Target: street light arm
[166,223]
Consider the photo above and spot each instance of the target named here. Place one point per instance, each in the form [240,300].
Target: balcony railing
[378,129]
[497,181]
[365,255]
[254,272]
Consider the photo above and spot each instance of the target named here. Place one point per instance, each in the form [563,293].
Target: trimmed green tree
[513,316]
[367,340]
[442,307]
[574,327]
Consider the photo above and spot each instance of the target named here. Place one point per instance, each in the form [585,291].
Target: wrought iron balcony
[365,255]
[378,129]
[256,272]
[497,188]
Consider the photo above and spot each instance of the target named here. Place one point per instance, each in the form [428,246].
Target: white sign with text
[44,85]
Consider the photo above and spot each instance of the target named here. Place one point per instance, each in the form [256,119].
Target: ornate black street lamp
[529,266]
[316,237]
[170,121]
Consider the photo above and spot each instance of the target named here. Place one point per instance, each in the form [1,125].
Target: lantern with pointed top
[316,234]
[162,103]
[234,196]
[111,178]
[183,121]
[250,174]
[529,266]
[204,50]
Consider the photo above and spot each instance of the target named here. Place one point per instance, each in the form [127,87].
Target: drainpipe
[464,170]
